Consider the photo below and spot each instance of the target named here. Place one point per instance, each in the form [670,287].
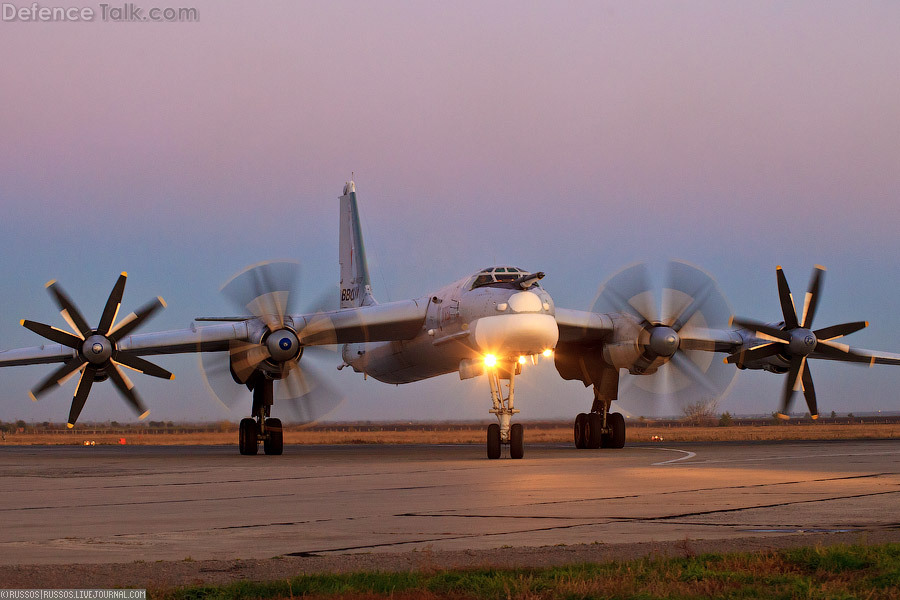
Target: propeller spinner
[96,352]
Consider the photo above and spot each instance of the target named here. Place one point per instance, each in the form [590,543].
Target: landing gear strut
[600,428]
[503,432]
[261,428]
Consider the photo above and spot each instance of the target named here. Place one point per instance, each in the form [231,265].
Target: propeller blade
[791,384]
[841,352]
[215,368]
[688,367]
[245,357]
[113,303]
[690,290]
[809,392]
[140,365]
[754,354]
[628,291]
[68,310]
[126,388]
[53,334]
[691,309]
[837,331]
[812,297]
[57,377]
[319,330]
[787,300]
[81,394]
[265,289]
[307,392]
[134,320]
[762,329]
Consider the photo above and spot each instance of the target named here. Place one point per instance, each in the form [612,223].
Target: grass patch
[831,572]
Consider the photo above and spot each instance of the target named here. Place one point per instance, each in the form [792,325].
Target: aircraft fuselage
[463,323]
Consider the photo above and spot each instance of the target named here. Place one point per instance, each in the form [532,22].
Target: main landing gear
[600,428]
[261,427]
[503,432]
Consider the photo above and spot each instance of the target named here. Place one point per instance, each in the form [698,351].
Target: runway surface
[122,504]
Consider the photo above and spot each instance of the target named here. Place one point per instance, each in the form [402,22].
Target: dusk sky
[568,137]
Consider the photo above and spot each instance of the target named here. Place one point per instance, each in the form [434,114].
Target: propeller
[670,334]
[798,342]
[267,291]
[97,355]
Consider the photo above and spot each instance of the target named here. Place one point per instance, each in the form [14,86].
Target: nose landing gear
[504,432]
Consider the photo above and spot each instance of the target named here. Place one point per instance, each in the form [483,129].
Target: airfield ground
[158,516]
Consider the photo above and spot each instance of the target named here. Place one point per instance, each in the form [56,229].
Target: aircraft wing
[381,322]
[582,326]
[711,340]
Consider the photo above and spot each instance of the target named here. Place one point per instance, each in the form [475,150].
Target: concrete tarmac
[108,504]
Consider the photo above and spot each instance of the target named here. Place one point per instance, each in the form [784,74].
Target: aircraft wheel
[247,437]
[581,431]
[516,441]
[493,441]
[274,443]
[594,430]
[616,424]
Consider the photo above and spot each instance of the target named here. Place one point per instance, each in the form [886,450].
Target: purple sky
[572,138]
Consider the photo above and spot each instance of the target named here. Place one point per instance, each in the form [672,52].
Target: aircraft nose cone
[514,334]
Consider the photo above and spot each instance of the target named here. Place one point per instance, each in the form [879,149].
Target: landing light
[547,353]
[521,360]
[490,360]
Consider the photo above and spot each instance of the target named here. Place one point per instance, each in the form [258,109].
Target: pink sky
[569,137]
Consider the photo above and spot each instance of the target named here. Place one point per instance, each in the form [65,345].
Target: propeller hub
[803,341]
[283,345]
[96,349]
[664,341]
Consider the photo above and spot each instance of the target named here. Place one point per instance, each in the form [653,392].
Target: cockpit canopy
[498,277]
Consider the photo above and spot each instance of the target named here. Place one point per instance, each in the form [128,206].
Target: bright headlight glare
[490,360]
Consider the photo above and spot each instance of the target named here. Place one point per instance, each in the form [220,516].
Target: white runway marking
[686,456]
[785,457]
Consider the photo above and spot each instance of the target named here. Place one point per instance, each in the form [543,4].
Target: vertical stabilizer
[356,289]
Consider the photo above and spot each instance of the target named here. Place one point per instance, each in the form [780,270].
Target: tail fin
[356,289]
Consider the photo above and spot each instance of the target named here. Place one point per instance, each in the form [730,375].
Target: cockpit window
[498,277]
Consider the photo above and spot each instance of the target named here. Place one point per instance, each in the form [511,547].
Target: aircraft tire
[581,431]
[247,437]
[493,441]
[594,430]
[516,441]
[274,443]
[616,424]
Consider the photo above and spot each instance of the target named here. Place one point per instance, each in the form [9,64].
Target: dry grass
[473,434]
[830,572]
